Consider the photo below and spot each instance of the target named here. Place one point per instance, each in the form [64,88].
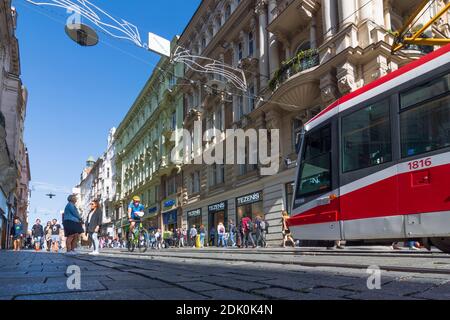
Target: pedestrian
[192,235]
[72,225]
[260,225]
[93,224]
[183,236]
[248,229]
[17,234]
[232,232]
[240,235]
[212,236]
[202,232]
[56,229]
[48,235]
[38,234]
[221,233]
[285,230]
[158,238]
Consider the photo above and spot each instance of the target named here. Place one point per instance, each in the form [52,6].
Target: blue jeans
[220,241]
[95,242]
[202,240]
[233,239]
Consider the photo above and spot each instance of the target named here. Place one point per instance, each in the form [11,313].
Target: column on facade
[330,18]
[261,10]
[274,59]
[216,23]
[313,32]
[387,14]
[365,12]
[243,40]
[347,13]
[378,12]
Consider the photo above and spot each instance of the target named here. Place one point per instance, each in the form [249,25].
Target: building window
[173,123]
[171,186]
[203,44]
[366,137]
[240,107]
[227,11]
[219,120]
[251,98]
[107,173]
[250,44]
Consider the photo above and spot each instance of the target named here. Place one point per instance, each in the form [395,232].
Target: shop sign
[168,204]
[194,213]
[249,199]
[217,207]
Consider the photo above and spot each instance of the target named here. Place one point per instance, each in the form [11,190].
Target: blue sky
[77,94]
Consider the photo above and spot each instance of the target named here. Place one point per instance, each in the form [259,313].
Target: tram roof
[333,108]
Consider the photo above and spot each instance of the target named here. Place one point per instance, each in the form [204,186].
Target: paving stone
[198,286]
[32,288]
[228,294]
[126,294]
[402,288]
[245,285]
[438,293]
[277,293]
[24,280]
[134,284]
[172,294]
[377,295]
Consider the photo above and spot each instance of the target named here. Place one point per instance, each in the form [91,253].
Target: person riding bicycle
[135,212]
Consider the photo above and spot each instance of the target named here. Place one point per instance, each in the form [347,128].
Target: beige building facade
[298,56]
[14,164]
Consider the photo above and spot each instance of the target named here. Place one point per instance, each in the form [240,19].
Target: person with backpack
[248,228]
[221,233]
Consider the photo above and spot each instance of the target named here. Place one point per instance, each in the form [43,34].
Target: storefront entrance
[194,218]
[216,213]
[170,220]
[250,206]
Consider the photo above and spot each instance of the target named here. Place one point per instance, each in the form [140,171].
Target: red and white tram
[376,163]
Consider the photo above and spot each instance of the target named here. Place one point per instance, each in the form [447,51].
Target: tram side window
[366,137]
[315,172]
[425,126]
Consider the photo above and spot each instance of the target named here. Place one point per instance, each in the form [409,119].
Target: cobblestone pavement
[42,276]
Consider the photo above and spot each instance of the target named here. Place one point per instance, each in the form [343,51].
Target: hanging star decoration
[117,28]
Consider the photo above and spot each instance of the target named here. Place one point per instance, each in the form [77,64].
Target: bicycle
[139,238]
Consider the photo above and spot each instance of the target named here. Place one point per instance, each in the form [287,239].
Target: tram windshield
[315,171]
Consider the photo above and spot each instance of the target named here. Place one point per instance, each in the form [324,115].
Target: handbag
[84,237]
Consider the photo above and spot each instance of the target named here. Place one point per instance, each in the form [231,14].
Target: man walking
[193,235]
[38,233]
[248,227]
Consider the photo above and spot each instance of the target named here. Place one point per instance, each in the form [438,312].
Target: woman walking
[72,225]
[93,225]
[286,232]
[48,236]
[202,232]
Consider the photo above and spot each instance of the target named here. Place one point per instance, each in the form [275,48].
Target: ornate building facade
[14,163]
[298,57]
[143,151]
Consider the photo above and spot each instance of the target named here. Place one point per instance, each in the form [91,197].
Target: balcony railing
[304,60]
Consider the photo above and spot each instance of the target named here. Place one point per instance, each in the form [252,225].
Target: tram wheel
[442,244]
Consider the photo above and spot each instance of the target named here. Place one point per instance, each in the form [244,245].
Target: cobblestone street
[42,276]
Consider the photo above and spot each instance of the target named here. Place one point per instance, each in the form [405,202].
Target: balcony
[304,60]
[296,16]
[293,84]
